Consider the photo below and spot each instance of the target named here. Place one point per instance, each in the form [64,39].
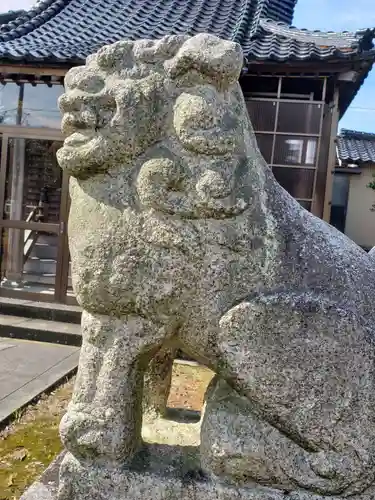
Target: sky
[336,15]
[340,15]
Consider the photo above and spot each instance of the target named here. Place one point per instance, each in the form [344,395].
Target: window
[265,142]
[292,150]
[33,176]
[288,125]
[299,117]
[299,182]
[262,114]
[30,105]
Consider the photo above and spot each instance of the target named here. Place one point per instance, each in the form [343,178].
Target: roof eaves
[349,43]
[30,20]
[366,62]
[356,147]
[10,16]
[355,134]
[366,37]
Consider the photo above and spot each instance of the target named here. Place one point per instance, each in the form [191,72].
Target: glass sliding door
[34,206]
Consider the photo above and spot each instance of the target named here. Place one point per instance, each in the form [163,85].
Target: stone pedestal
[159,472]
[167,471]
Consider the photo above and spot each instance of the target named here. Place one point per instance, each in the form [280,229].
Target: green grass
[31,442]
[25,454]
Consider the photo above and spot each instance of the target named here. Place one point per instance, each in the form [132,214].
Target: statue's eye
[85,80]
[192,109]
[91,83]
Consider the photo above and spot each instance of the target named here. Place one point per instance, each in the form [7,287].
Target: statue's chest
[148,258]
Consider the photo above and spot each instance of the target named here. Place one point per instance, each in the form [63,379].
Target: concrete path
[29,368]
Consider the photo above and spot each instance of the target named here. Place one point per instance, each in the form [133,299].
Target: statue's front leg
[104,417]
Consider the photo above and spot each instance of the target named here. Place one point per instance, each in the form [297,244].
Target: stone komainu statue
[179,234]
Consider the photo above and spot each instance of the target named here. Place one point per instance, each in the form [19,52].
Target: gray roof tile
[356,147]
[280,42]
[68,30]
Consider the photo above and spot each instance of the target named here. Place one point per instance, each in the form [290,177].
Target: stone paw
[90,436]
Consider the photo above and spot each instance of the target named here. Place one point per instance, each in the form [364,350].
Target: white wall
[360,220]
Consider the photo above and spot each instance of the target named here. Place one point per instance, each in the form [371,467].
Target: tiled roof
[68,30]
[280,10]
[356,147]
[280,42]
[7,17]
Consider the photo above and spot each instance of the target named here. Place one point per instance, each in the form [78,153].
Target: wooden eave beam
[312,68]
[19,78]
[33,70]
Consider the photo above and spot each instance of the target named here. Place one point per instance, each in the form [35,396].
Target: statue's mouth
[72,122]
[80,138]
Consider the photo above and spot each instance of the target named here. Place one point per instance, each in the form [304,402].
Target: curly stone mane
[171,111]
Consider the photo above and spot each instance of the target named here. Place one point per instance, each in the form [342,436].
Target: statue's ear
[153,51]
[220,60]
[118,55]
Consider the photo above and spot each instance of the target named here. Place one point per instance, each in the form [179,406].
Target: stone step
[41,310]
[37,265]
[44,250]
[41,330]
[50,314]
[47,279]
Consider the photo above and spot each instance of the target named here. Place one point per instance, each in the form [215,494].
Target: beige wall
[360,220]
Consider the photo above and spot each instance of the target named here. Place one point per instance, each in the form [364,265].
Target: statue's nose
[76,100]
[85,79]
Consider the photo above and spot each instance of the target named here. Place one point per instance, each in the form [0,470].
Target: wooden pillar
[14,263]
[331,157]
